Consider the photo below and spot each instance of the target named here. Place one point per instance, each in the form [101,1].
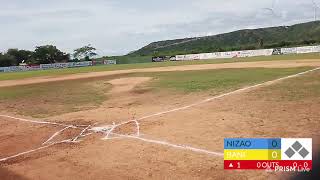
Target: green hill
[283,36]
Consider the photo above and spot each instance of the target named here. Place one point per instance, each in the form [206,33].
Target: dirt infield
[183,144]
[264,64]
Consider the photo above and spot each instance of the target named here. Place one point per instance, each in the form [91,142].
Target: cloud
[119,26]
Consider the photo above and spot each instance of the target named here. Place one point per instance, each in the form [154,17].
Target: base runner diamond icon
[296,149]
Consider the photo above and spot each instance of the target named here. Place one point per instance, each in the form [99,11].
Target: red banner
[281,165]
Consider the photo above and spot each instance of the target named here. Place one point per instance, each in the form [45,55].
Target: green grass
[47,99]
[297,89]
[43,100]
[60,72]
[220,80]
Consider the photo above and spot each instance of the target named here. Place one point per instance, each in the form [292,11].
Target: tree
[20,55]
[49,54]
[85,53]
[7,60]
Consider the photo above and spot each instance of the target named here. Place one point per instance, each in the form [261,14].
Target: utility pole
[315,10]
[272,11]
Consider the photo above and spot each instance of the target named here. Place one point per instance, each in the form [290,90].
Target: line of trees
[45,55]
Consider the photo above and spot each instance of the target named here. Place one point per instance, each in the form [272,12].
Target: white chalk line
[109,129]
[82,133]
[41,122]
[198,103]
[48,142]
[34,150]
[226,94]
[55,134]
[177,146]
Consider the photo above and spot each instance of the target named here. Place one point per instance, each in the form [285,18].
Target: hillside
[299,34]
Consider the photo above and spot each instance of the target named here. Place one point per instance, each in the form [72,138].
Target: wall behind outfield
[248,53]
[53,66]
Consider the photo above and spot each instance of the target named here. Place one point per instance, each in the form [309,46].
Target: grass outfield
[60,72]
[296,89]
[47,99]
[220,80]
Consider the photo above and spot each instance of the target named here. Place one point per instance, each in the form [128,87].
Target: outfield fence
[248,53]
[53,66]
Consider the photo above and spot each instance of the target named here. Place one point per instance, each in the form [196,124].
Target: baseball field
[153,120]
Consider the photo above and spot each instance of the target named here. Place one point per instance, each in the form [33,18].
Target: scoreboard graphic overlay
[278,154]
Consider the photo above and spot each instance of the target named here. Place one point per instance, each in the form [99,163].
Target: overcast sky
[117,27]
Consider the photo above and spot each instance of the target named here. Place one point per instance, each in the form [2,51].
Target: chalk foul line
[34,150]
[108,130]
[176,146]
[41,122]
[226,94]
[110,134]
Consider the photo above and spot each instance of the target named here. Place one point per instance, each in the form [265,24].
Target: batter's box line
[109,131]
[48,143]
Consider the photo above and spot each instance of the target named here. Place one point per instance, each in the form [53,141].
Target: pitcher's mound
[127,84]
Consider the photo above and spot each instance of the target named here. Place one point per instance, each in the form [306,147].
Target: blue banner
[252,143]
